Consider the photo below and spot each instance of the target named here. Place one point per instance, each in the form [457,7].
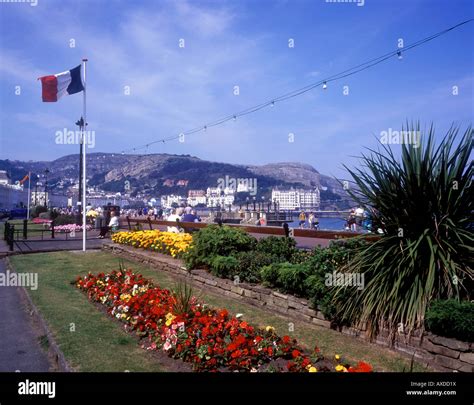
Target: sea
[325,224]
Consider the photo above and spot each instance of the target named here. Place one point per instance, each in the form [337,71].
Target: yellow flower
[164,242]
[337,357]
[169,319]
[341,368]
[313,369]
[125,297]
[270,329]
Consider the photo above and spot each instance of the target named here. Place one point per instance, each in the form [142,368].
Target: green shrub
[334,257]
[451,318]
[423,197]
[250,265]
[217,240]
[291,277]
[64,220]
[324,261]
[269,274]
[322,296]
[36,211]
[284,249]
[286,276]
[223,266]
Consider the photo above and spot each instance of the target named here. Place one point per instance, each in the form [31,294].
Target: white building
[167,201]
[4,179]
[295,199]
[196,197]
[217,197]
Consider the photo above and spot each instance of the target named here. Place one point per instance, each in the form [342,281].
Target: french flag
[56,86]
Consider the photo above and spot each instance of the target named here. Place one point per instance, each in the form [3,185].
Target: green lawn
[19,226]
[99,344]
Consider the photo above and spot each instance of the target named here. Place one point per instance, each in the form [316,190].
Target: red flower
[230,344]
[361,367]
[236,354]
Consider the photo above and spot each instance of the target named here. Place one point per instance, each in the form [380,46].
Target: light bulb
[400,56]
[205,127]
[273,104]
[325,86]
[234,118]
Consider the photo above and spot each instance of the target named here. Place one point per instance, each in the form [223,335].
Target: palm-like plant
[424,204]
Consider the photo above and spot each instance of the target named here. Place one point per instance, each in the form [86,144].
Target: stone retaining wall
[438,352]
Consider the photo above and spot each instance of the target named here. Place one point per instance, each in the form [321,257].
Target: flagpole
[29,196]
[83,205]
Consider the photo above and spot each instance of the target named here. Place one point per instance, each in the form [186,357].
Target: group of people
[360,219]
[313,221]
[182,214]
[112,224]
[154,212]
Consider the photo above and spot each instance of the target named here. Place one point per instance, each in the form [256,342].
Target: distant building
[168,183]
[295,199]
[167,201]
[196,197]
[4,178]
[216,197]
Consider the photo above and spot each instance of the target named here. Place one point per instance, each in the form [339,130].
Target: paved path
[49,245]
[53,245]
[19,346]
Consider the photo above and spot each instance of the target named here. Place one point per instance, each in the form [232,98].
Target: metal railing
[140,224]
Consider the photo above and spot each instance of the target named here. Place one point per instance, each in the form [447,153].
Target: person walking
[311,221]
[302,218]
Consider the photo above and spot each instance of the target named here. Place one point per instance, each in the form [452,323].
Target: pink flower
[167,346]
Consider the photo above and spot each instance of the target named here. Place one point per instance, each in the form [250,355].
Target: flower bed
[41,221]
[174,244]
[71,228]
[184,328]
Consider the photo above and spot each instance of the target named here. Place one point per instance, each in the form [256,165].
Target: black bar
[11,237]
[125,385]
[25,229]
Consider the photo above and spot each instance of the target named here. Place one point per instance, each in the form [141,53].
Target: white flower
[238,316]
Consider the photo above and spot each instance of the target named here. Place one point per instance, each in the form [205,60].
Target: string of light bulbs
[324,83]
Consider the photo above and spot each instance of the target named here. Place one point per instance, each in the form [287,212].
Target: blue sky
[227,44]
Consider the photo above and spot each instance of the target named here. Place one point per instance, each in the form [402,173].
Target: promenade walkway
[37,245]
[20,348]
